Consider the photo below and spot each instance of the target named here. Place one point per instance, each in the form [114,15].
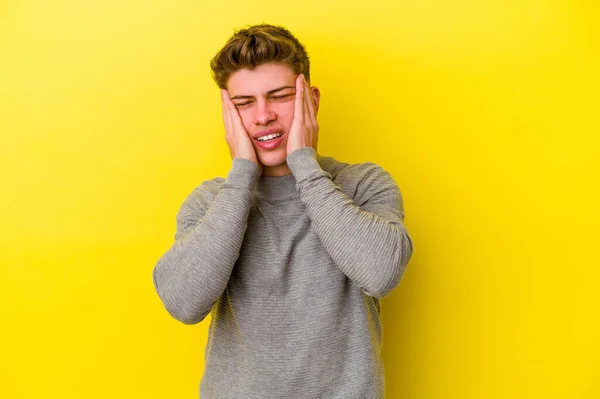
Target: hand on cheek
[238,140]
[304,131]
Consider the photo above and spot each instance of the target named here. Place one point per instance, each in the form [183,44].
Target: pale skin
[269,98]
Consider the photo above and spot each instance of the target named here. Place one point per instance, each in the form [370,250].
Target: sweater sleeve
[193,273]
[364,236]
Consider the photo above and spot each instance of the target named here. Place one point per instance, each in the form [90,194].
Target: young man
[292,251]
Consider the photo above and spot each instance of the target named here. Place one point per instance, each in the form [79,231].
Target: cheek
[285,111]
[247,118]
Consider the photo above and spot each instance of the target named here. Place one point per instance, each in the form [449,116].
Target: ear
[317,96]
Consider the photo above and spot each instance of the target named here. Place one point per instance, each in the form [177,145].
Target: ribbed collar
[284,187]
[276,188]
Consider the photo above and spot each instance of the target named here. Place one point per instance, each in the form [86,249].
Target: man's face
[265,98]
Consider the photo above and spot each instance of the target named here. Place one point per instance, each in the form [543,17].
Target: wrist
[250,156]
[246,157]
[297,146]
[303,163]
[243,173]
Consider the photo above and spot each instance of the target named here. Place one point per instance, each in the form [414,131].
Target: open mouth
[269,137]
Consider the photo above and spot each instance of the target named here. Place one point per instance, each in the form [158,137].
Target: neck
[276,171]
[274,188]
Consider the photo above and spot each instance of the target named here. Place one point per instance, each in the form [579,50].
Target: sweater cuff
[243,174]
[303,164]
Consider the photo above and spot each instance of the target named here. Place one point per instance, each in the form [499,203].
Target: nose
[264,114]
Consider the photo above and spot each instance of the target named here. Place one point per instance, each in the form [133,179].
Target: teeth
[269,137]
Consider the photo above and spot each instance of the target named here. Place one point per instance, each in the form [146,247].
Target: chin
[273,158]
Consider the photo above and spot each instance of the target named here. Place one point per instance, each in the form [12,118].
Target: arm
[366,236]
[194,272]
[366,239]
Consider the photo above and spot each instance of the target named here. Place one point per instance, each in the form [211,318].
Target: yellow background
[485,112]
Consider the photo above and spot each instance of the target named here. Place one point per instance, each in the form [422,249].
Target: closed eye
[275,98]
[282,96]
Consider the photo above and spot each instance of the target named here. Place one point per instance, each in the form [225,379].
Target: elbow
[184,312]
[383,285]
[188,318]
[405,250]
[390,276]
[179,308]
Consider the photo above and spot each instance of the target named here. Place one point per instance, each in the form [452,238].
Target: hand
[304,131]
[240,144]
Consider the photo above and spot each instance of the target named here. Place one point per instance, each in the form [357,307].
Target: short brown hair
[258,45]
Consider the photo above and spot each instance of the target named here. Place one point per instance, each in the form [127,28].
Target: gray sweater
[292,268]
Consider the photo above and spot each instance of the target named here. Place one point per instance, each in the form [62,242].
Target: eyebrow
[269,92]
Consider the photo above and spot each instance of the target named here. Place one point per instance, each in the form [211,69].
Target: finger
[311,103]
[226,110]
[307,120]
[299,105]
[227,101]
[309,114]
[236,119]
[234,116]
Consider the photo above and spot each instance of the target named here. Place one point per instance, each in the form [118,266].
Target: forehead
[260,80]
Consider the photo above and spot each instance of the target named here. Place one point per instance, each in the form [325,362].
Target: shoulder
[201,196]
[359,181]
